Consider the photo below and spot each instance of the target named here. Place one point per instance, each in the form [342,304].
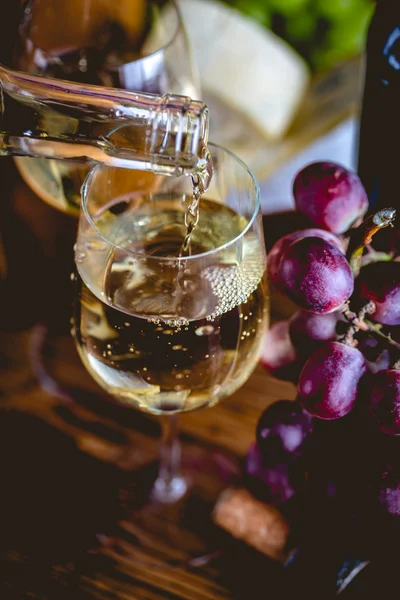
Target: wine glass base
[173,528]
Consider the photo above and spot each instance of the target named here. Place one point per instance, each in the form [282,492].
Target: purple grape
[389,491]
[354,479]
[385,400]
[379,493]
[273,484]
[387,240]
[282,431]
[330,195]
[393,240]
[316,275]
[395,332]
[380,282]
[309,330]
[278,249]
[277,351]
[376,353]
[329,462]
[328,382]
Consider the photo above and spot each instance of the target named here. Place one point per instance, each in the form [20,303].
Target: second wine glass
[136,45]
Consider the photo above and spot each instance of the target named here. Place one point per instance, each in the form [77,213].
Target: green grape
[323,58]
[338,10]
[287,8]
[328,56]
[349,36]
[345,38]
[302,27]
[256,9]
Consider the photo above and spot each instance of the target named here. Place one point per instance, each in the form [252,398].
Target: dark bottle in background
[379,141]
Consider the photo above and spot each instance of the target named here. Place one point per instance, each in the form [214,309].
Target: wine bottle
[378,159]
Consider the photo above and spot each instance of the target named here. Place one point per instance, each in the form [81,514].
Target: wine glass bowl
[161,331]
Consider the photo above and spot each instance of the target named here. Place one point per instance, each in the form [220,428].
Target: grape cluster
[341,347]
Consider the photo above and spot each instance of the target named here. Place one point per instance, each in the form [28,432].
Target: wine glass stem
[170,485]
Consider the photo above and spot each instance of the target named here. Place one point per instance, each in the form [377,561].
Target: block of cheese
[244,64]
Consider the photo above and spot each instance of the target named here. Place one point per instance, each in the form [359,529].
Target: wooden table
[64,463]
[68,454]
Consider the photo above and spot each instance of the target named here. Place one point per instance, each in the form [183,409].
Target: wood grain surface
[72,461]
[69,455]
[65,463]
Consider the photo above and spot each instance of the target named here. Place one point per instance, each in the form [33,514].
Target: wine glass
[137,45]
[166,331]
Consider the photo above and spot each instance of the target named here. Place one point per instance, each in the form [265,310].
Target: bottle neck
[177,133]
[48,118]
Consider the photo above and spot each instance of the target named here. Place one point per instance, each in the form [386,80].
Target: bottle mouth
[179,131]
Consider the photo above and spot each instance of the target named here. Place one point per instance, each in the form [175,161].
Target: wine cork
[259,525]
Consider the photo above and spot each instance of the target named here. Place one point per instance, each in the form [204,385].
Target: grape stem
[358,322]
[348,338]
[376,330]
[361,236]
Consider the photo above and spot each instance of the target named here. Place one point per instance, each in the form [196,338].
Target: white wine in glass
[161,336]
